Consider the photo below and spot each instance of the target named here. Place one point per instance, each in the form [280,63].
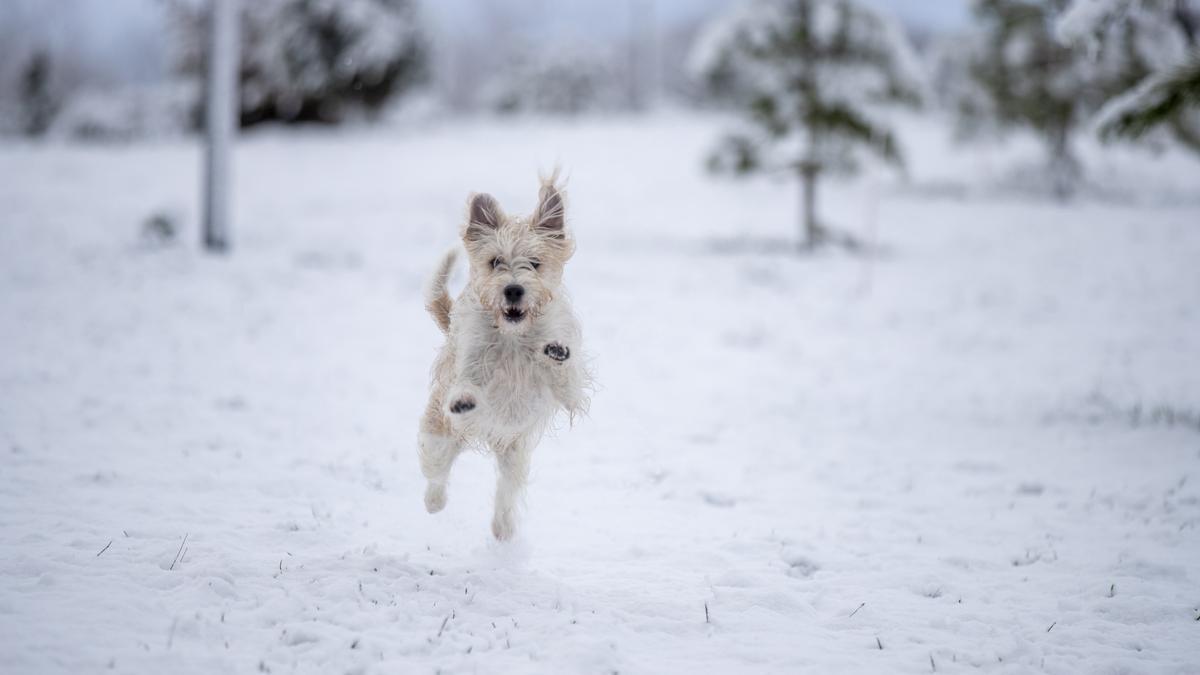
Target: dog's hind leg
[438,448]
[512,464]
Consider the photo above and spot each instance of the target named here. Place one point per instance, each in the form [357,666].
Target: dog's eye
[496,262]
[536,263]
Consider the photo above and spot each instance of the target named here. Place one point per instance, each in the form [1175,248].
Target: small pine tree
[810,77]
[311,60]
[37,100]
[1025,77]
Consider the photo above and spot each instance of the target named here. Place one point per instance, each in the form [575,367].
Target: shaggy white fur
[512,356]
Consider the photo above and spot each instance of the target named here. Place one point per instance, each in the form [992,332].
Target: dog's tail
[437,300]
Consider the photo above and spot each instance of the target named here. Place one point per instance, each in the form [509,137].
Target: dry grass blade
[178,553]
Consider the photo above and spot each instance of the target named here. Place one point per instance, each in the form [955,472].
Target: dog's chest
[515,383]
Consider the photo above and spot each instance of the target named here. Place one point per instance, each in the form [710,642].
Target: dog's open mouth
[513,315]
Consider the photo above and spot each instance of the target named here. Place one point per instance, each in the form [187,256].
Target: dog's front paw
[462,404]
[557,352]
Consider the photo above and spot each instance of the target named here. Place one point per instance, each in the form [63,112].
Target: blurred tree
[1168,99]
[1156,46]
[1028,78]
[559,78]
[810,77]
[38,102]
[311,60]
[1023,76]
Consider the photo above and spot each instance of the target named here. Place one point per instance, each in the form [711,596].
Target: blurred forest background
[921,393]
[813,80]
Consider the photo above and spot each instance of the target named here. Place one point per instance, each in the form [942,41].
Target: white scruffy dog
[512,356]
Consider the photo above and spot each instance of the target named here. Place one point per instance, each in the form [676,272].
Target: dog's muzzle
[512,295]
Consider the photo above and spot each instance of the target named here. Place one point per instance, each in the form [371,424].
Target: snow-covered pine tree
[1023,76]
[1155,44]
[811,77]
[312,60]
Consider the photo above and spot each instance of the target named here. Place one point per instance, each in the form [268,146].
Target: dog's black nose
[513,293]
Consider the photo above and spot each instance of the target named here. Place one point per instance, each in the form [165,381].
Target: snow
[979,450]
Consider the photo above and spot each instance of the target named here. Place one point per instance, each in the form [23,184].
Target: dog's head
[517,263]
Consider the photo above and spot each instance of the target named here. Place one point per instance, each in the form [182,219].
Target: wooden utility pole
[221,121]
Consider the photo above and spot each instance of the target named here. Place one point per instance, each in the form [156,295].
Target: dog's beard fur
[508,253]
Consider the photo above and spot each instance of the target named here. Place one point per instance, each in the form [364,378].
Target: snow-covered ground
[980,450]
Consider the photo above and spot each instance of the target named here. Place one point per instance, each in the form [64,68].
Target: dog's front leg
[463,397]
[567,379]
[562,357]
[464,394]
[512,469]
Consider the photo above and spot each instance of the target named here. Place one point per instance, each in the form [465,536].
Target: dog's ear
[550,216]
[483,216]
